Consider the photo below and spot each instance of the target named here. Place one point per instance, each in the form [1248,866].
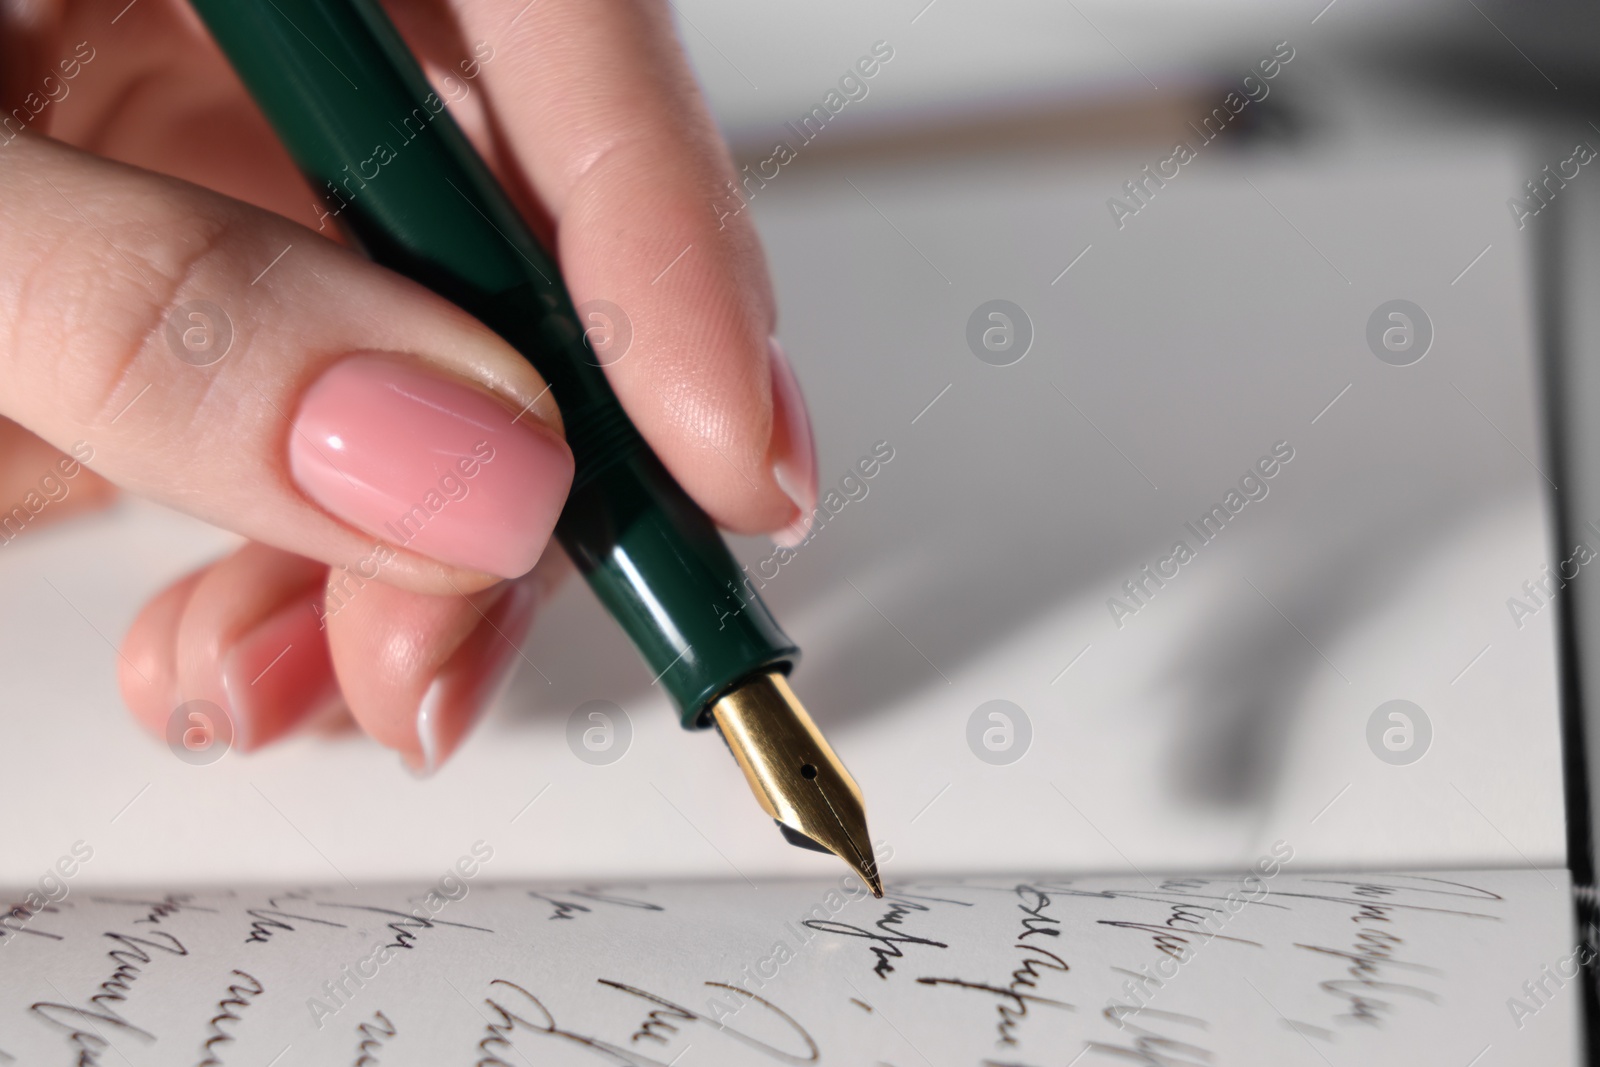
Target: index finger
[597,107]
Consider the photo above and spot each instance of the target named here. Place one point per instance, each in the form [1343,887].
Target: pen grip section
[651,554]
[661,568]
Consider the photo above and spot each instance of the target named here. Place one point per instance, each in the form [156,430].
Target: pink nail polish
[278,674]
[429,463]
[473,678]
[794,454]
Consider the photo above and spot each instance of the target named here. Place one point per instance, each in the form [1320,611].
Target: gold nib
[795,775]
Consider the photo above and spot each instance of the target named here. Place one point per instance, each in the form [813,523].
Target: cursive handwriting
[239,996]
[668,1014]
[372,1035]
[1012,999]
[406,922]
[888,938]
[16,918]
[1013,1006]
[993,971]
[1149,1048]
[171,904]
[564,909]
[1370,993]
[1370,957]
[101,1007]
[1171,943]
[270,919]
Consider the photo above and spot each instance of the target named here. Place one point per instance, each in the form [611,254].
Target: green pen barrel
[397,175]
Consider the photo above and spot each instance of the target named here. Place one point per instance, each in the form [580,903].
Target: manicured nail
[794,453]
[279,674]
[472,679]
[429,463]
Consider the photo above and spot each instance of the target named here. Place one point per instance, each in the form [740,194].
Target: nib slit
[818,808]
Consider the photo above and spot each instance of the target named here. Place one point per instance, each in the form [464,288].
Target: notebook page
[1272,966]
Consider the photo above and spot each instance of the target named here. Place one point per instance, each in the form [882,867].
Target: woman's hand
[396,466]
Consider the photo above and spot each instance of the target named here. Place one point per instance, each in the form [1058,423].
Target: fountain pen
[354,109]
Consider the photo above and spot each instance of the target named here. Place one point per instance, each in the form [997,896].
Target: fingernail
[794,454]
[430,463]
[279,674]
[471,680]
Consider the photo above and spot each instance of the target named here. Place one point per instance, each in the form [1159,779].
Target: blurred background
[1366,69]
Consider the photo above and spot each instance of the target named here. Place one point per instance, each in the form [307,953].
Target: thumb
[228,363]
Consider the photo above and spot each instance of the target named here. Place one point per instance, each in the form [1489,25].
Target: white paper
[1274,966]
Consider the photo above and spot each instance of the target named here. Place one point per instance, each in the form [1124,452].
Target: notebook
[1289,793]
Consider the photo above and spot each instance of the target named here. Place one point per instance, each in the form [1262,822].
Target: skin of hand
[396,467]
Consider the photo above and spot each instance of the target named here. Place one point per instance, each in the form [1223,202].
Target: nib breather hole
[807,771]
